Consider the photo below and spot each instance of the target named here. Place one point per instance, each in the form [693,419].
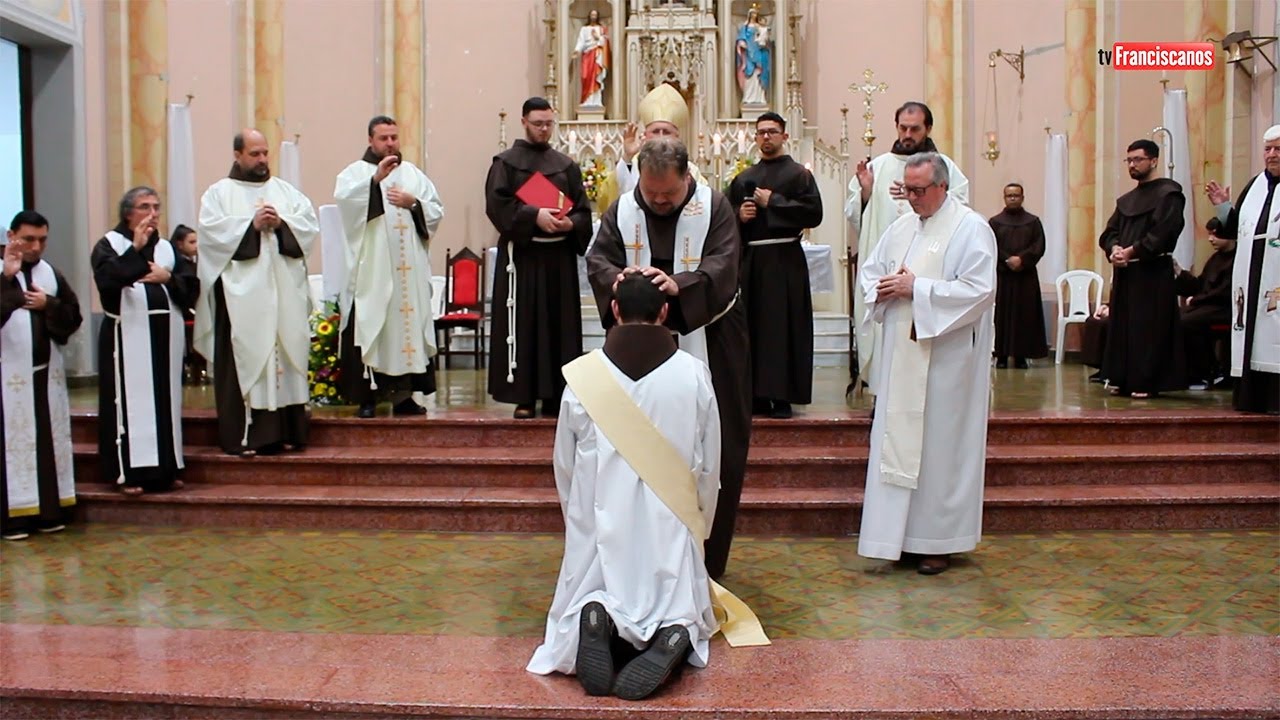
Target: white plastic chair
[1079,309]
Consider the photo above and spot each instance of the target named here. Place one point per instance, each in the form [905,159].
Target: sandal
[523,412]
[131,490]
[177,485]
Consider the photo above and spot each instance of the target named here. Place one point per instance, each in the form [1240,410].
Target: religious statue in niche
[753,59]
[592,52]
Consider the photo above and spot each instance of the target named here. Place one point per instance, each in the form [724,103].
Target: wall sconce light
[1242,44]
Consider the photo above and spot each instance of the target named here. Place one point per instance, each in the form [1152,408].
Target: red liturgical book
[539,192]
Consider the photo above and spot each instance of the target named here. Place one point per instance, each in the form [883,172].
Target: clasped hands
[1120,257]
[661,280]
[899,285]
[266,218]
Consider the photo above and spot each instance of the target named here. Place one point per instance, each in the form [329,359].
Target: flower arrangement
[741,163]
[593,176]
[322,366]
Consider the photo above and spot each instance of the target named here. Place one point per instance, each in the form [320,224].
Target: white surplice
[624,548]
[389,269]
[268,298]
[943,514]
[870,222]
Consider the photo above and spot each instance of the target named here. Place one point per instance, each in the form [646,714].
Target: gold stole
[660,467]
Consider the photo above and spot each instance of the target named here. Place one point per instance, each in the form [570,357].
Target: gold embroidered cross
[405,308]
[636,247]
[400,224]
[1273,299]
[404,266]
[16,382]
[687,260]
[408,349]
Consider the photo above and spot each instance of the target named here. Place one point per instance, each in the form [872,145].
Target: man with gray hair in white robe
[251,319]
[389,210]
[1255,281]
[930,284]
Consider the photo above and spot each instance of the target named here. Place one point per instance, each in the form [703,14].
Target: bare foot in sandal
[131,490]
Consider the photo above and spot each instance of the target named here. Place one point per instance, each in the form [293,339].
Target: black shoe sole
[595,661]
[644,675]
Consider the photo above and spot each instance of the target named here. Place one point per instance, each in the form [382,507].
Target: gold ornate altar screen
[730,59]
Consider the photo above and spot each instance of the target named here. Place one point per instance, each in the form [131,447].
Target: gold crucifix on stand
[868,88]
[636,246]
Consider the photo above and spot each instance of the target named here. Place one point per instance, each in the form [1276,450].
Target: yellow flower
[333,392]
[333,359]
[311,376]
[321,388]
[315,347]
[324,328]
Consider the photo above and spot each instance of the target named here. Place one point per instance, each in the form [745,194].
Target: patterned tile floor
[1061,585]
[1043,387]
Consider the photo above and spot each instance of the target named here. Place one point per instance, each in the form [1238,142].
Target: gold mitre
[664,103]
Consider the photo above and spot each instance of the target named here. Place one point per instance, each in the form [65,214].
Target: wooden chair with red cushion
[463,303]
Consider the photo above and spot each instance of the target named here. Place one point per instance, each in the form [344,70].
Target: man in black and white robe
[38,314]
[146,288]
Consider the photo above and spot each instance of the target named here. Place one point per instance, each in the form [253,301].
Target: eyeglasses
[1135,160]
[767,132]
[916,191]
[543,125]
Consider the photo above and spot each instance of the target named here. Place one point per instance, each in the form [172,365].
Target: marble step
[94,672]
[339,428]
[803,511]
[767,467]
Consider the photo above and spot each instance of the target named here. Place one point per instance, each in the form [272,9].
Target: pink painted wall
[1024,107]
[1140,100]
[482,56]
[841,39]
[203,49]
[1264,85]
[330,109]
